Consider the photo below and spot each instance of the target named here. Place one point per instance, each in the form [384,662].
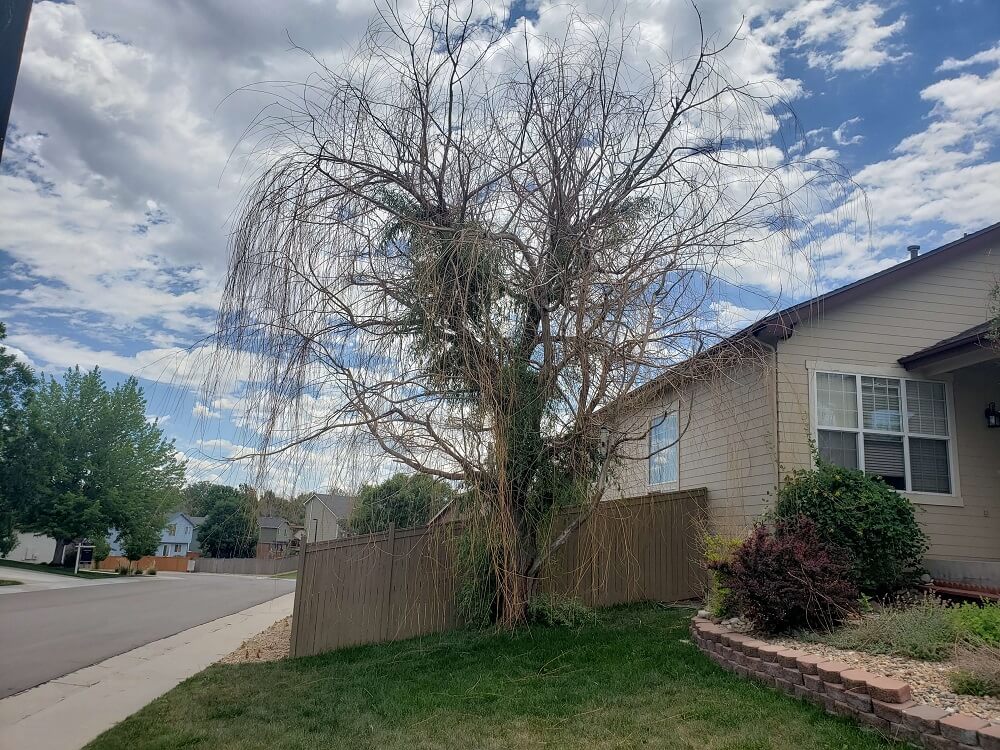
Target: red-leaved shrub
[789,578]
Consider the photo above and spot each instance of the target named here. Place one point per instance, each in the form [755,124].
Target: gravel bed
[270,645]
[928,680]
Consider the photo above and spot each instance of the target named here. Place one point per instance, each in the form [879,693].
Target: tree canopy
[93,462]
[16,382]
[405,500]
[230,530]
[468,242]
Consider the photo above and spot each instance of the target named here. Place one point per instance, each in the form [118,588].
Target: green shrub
[122,570]
[718,550]
[151,571]
[923,629]
[865,516]
[559,612]
[980,622]
[978,672]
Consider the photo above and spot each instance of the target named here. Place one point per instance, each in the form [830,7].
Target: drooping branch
[467,243]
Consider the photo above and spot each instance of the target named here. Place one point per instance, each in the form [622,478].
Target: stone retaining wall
[880,703]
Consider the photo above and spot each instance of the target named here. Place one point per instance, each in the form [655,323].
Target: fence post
[390,545]
[300,586]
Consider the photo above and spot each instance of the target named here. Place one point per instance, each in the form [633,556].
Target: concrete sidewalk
[68,712]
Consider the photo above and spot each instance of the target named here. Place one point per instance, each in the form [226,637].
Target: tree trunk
[60,552]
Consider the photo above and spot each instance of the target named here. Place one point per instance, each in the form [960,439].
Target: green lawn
[43,568]
[289,574]
[630,680]
[8,582]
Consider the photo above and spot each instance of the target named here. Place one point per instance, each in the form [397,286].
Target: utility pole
[13,28]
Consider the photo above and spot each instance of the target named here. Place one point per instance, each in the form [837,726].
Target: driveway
[39,580]
[48,633]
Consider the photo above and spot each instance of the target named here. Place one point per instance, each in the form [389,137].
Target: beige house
[327,515]
[894,374]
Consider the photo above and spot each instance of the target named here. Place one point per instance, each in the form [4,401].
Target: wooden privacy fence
[254,566]
[401,583]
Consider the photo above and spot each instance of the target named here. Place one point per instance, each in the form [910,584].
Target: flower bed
[883,703]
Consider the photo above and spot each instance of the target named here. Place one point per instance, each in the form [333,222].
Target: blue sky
[124,164]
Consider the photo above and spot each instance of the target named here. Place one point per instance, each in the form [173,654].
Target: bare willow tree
[467,241]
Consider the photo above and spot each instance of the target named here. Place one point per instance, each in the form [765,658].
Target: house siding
[320,522]
[906,313]
[726,444]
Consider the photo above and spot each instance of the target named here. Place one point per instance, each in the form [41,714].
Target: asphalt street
[45,634]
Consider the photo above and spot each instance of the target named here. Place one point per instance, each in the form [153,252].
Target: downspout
[773,348]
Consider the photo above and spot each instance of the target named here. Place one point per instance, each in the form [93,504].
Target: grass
[290,574]
[45,568]
[8,582]
[629,679]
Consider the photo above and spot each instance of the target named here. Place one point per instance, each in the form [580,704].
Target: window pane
[927,410]
[836,400]
[884,458]
[929,464]
[880,404]
[663,450]
[838,448]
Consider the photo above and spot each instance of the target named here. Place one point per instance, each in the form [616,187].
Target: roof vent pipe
[914,251]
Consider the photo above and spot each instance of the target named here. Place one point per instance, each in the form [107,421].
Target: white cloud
[840,136]
[991,55]
[203,412]
[839,36]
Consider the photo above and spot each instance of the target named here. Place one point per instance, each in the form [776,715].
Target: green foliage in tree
[199,498]
[102,549]
[863,515]
[94,461]
[141,539]
[269,503]
[405,499]
[230,530]
[16,381]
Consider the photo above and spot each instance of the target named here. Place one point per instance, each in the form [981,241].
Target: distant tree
[405,500]
[272,504]
[102,549]
[199,498]
[141,539]
[16,381]
[230,530]
[93,462]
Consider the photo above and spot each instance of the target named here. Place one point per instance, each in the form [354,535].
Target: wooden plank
[401,583]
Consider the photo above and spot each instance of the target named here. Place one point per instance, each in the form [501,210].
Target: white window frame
[951,499]
[671,408]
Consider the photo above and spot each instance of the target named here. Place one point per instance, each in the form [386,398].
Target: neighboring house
[195,548]
[175,539]
[273,537]
[326,516]
[894,374]
[35,548]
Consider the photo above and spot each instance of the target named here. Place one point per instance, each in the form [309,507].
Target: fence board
[400,583]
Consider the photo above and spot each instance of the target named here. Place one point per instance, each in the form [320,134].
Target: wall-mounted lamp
[992,416]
